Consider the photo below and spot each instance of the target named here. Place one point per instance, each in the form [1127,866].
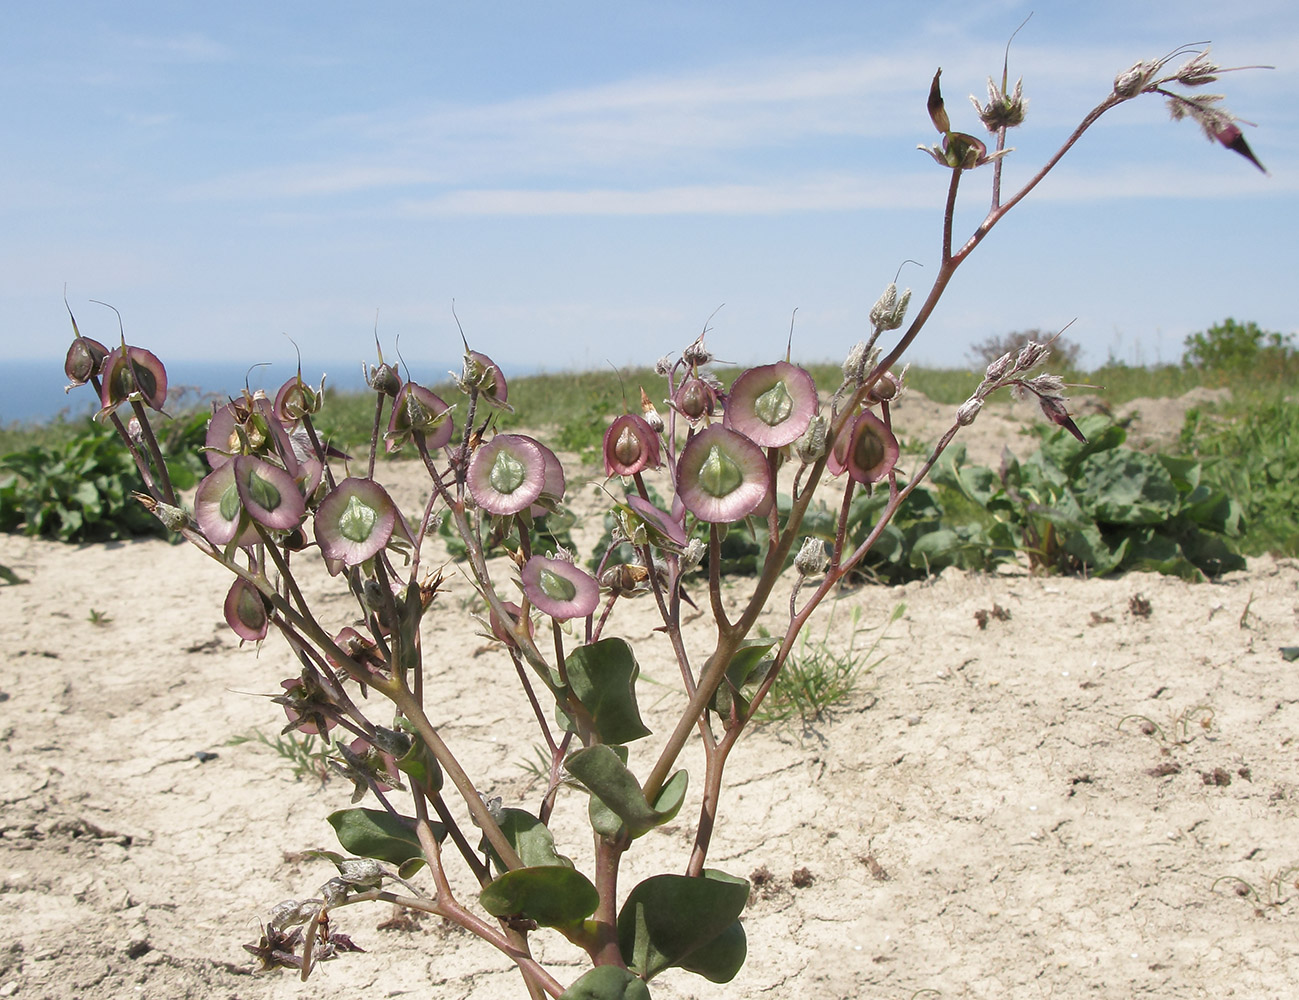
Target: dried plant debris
[984,615]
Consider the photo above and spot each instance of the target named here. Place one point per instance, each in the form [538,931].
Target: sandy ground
[984,817]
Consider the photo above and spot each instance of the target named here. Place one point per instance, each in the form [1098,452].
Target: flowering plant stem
[273,495]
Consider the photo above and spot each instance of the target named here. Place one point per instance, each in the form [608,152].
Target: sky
[591,184]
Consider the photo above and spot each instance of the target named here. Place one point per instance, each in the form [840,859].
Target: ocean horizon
[31,391]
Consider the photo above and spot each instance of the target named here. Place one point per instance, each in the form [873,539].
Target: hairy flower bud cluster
[697,354]
[1002,110]
[890,309]
[1130,82]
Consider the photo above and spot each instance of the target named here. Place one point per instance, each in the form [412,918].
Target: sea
[31,392]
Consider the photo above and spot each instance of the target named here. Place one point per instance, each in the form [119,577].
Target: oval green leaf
[603,676]
[667,919]
[607,982]
[552,895]
[373,833]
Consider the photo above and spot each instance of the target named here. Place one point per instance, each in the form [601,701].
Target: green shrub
[1251,451]
[1231,348]
[79,490]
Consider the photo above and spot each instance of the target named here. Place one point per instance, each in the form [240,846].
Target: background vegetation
[64,479]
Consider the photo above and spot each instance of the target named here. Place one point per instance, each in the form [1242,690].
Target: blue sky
[589,182]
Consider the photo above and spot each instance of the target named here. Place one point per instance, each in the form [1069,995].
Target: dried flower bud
[494,805]
[697,354]
[890,309]
[693,554]
[811,446]
[625,579]
[968,410]
[1002,110]
[811,558]
[663,366]
[292,912]
[1031,355]
[172,518]
[382,378]
[334,892]
[856,359]
[1047,385]
[1198,70]
[1132,81]
[391,741]
[361,872]
[650,412]
[1000,367]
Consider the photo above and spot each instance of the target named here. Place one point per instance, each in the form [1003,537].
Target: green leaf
[552,895]
[616,796]
[1127,487]
[607,982]
[373,833]
[743,664]
[670,920]
[1211,554]
[1215,512]
[976,482]
[1092,550]
[721,958]
[531,840]
[602,676]
[1185,472]
[1161,554]
[934,550]
[419,761]
[1063,450]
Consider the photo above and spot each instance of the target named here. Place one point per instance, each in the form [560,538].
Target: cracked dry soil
[1090,795]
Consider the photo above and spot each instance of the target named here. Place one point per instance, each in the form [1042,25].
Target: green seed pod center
[249,608]
[296,404]
[719,475]
[775,405]
[357,521]
[556,587]
[508,473]
[230,503]
[263,492]
[627,448]
[868,450]
[694,399]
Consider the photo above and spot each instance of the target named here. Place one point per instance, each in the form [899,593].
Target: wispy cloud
[729,139]
[840,193]
[306,181]
[189,47]
[837,193]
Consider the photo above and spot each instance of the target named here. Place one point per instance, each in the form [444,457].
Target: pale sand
[973,819]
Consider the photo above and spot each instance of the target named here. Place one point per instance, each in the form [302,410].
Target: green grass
[305,755]
[818,677]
